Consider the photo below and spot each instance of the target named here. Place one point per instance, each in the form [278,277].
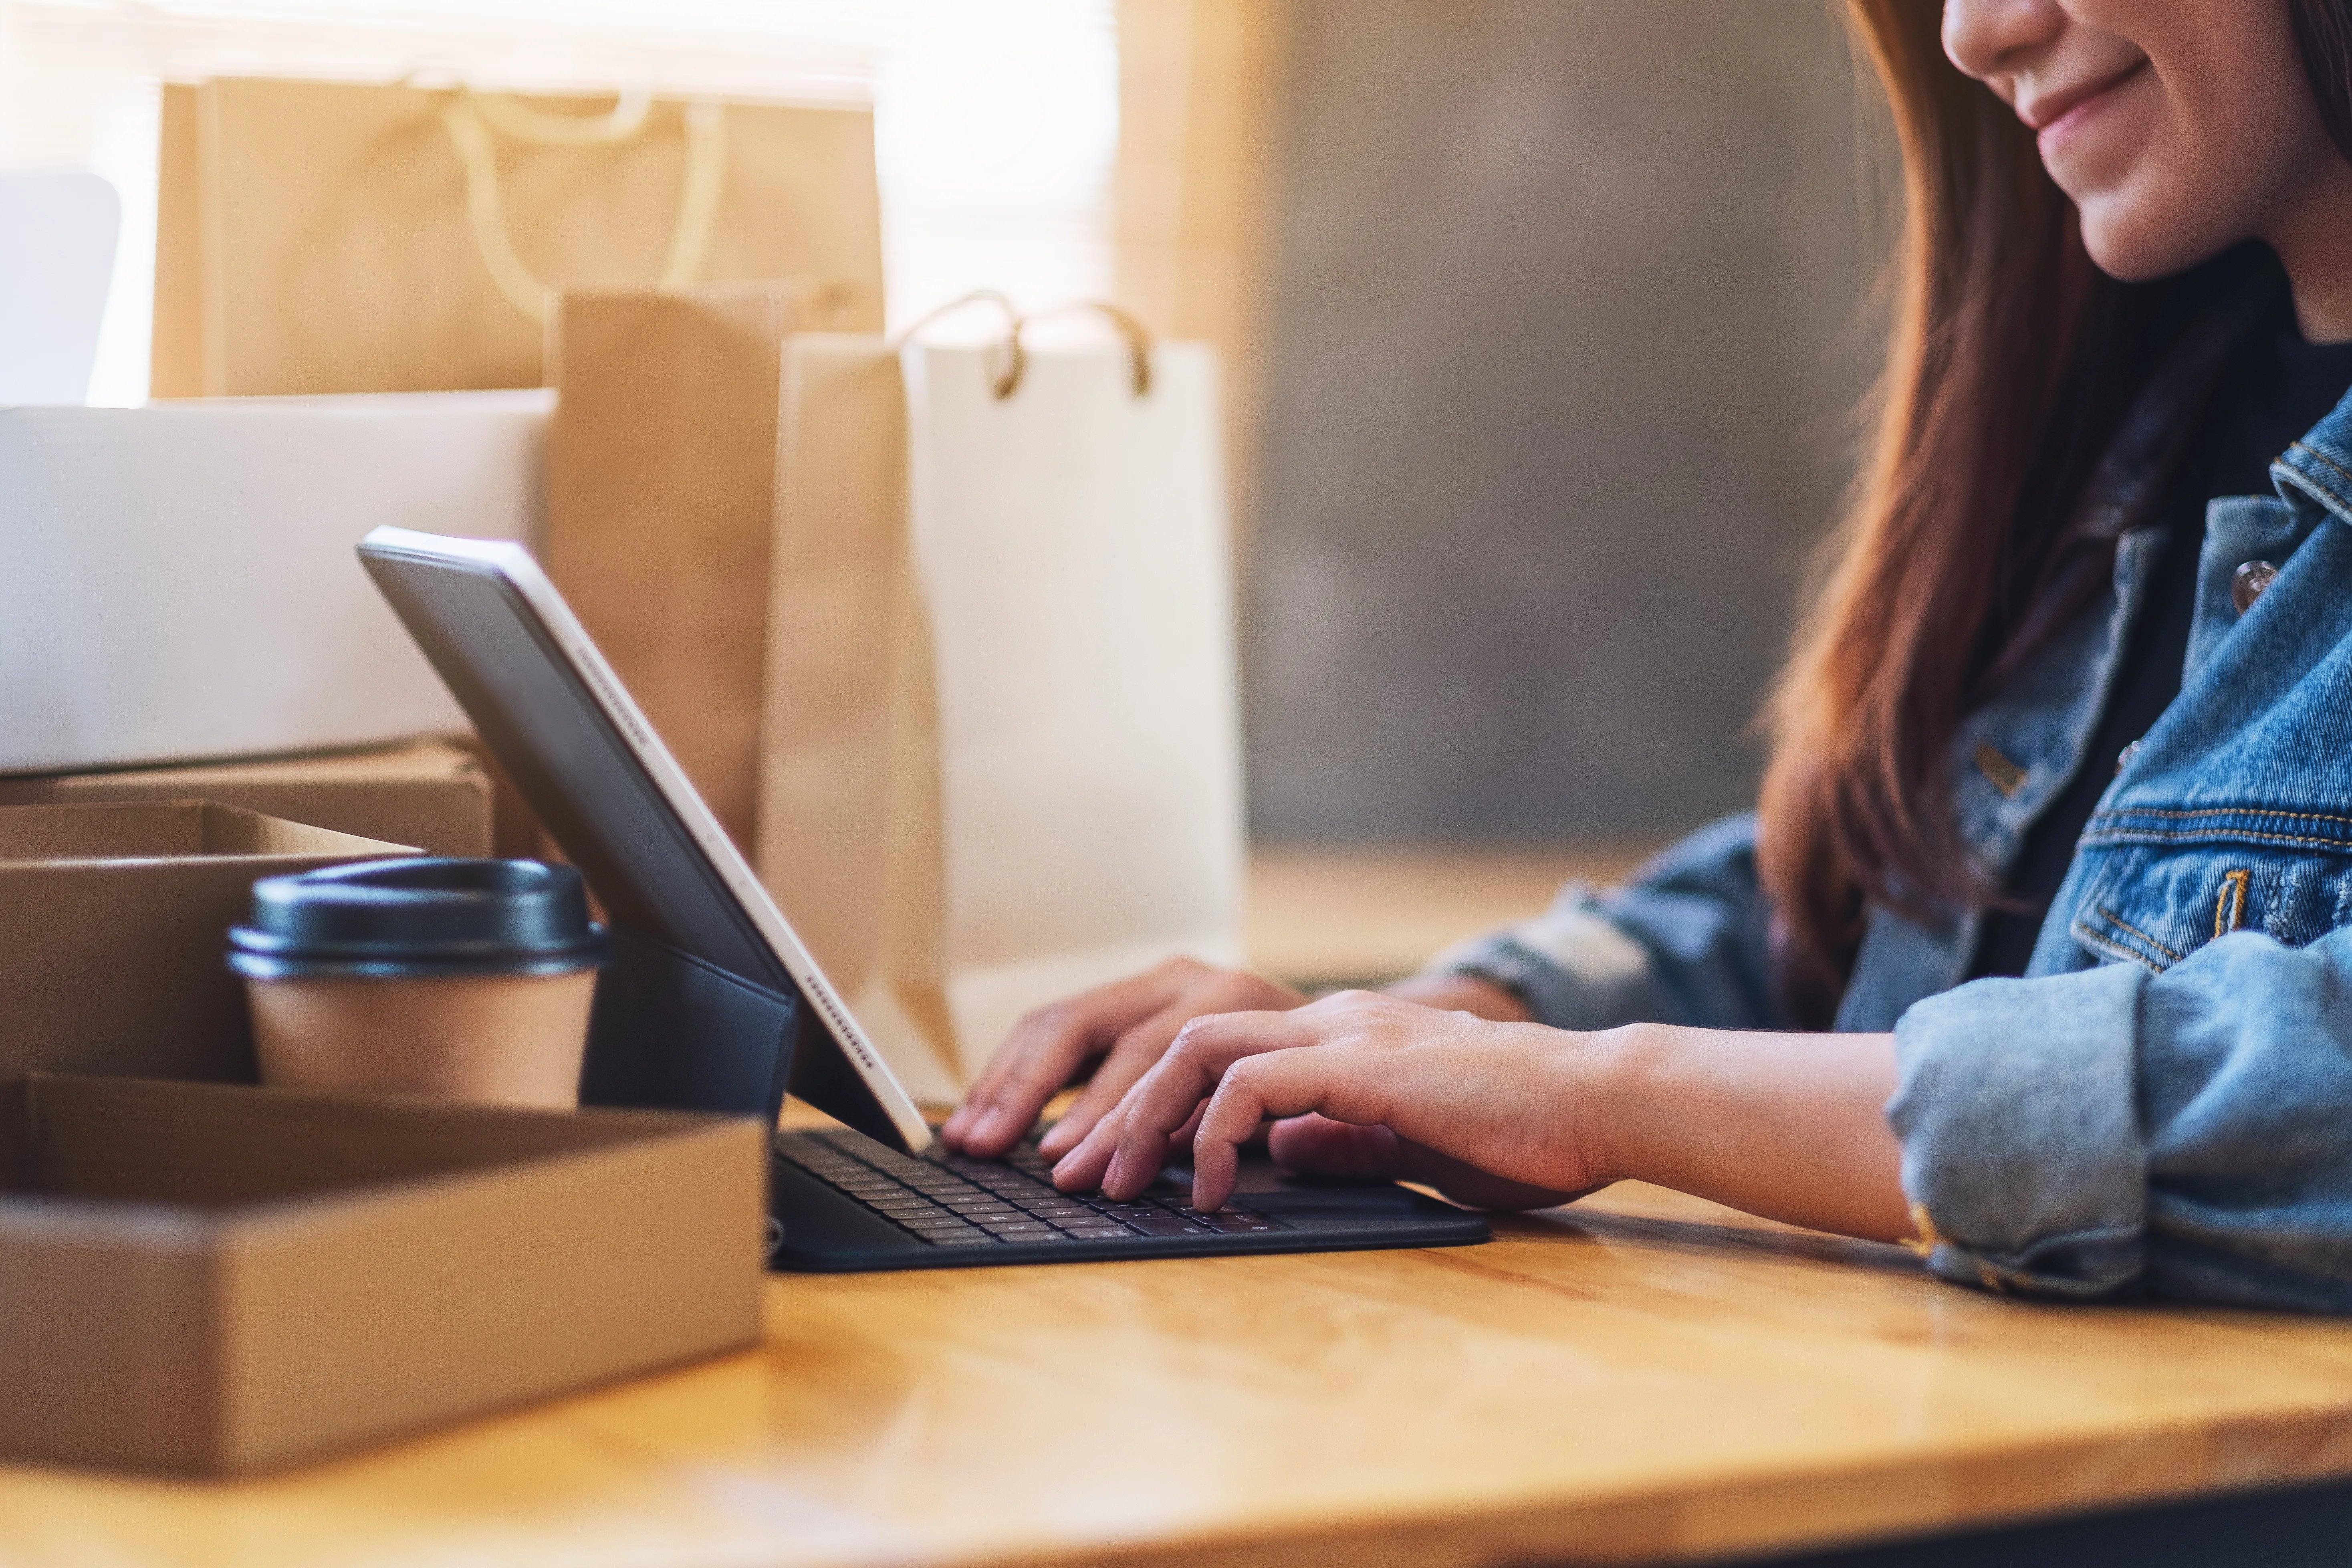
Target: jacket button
[2124,757]
[2247,583]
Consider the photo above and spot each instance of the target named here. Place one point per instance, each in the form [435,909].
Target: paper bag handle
[1137,336]
[1016,358]
[470,119]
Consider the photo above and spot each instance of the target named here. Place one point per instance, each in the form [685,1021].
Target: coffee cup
[454,980]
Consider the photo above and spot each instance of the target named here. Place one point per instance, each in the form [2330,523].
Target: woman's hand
[1486,1111]
[1129,1026]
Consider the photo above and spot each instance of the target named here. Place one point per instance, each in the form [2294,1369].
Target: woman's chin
[2130,248]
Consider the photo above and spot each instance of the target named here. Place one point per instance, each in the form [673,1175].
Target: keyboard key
[1016,1227]
[1166,1224]
[1238,1224]
[967,1238]
[1025,1238]
[935,1222]
[927,1212]
[966,1205]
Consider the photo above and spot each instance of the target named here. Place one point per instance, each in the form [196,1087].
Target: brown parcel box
[215,1279]
[115,933]
[432,793]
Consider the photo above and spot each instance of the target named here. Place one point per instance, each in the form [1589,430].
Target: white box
[177,582]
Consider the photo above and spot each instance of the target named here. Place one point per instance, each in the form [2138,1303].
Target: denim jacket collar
[2013,757]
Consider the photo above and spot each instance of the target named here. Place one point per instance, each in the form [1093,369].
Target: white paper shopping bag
[1002,760]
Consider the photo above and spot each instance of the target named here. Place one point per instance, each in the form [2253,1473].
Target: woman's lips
[2061,113]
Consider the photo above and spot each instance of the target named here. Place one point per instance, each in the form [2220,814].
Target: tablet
[714,1004]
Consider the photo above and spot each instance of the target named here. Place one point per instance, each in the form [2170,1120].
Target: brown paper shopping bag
[660,493]
[330,237]
[1001,759]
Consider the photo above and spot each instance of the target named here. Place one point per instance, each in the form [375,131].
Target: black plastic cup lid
[418,918]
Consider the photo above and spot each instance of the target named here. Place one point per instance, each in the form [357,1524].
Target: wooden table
[1640,1378]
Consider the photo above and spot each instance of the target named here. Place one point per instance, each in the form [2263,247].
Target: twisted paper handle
[1017,364]
[469,117]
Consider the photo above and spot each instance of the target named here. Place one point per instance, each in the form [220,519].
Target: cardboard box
[181,582]
[115,933]
[434,794]
[214,1279]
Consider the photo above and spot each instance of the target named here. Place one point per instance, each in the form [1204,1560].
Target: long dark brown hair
[2011,362]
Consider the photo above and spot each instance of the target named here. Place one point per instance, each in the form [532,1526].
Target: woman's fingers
[1278,1083]
[1200,990]
[1045,1050]
[1127,1147]
[1131,1055]
[1133,1021]
[1316,1145]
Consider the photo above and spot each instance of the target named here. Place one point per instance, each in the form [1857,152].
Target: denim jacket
[2163,1104]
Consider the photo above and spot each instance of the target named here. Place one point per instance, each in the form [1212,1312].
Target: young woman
[2047,905]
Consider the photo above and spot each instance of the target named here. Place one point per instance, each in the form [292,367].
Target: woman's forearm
[1789,1127]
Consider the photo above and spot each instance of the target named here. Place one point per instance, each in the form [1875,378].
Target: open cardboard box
[215,1279]
[115,933]
[432,793]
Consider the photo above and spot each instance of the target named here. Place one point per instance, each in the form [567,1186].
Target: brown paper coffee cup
[491,1039]
[459,979]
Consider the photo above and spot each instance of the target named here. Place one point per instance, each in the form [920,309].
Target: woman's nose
[1987,38]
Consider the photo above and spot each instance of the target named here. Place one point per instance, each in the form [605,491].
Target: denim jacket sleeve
[1684,941]
[2110,1131]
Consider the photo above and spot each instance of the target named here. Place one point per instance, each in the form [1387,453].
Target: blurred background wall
[1568,309]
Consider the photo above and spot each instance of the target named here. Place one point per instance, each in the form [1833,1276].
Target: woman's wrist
[1791,1127]
[1613,1099]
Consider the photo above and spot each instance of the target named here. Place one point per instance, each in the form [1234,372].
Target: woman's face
[2178,127]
